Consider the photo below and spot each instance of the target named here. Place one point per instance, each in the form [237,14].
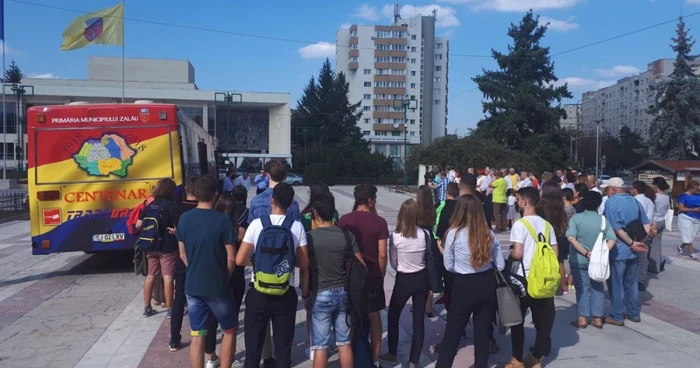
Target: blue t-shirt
[204,233]
[690,201]
[260,206]
[620,210]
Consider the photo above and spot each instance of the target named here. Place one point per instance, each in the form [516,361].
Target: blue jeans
[624,276]
[328,313]
[589,294]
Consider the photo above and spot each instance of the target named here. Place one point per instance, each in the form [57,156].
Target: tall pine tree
[520,96]
[13,74]
[675,130]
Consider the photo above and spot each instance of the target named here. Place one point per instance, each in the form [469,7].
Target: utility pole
[405,105]
[597,148]
[305,131]
[228,98]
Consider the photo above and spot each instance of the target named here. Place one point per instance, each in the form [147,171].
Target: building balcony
[390,53]
[378,65]
[353,65]
[389,78]
[387,115]
[352,53]
[390,41]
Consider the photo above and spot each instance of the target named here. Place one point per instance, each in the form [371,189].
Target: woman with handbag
[471,252]
[582,234]
[407,255]
[662,205]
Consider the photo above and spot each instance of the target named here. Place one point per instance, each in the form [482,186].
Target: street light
[597,147]
[305,131]
[228,98]
[405,105]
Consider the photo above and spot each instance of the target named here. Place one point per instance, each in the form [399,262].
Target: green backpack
[543,279]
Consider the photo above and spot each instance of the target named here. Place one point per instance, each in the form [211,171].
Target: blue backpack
[274,258]
[153,226]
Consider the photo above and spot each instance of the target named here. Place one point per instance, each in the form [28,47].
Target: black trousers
[260,309]
[543,318]
[178,308]
[471,294]
[414,286]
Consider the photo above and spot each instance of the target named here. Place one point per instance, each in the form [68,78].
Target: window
[365,132]
[437,102]
[436,91]
[413,122]
[380,132]
[380,148]
[413,134]
[413,49]
[10,150]
[368,84]
[413,73]
[388,84]
[368,71]
[353,58]
[438,56]
[437,80]
[366,108]
[413,85]
[413,61]
[395,150]
[366,121]
[438,45]
[413,37]
[395,134]
[367,96]
[353,46]
[413,97]
[437,68]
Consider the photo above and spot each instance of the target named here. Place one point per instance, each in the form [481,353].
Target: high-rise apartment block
[625,103]
[388,67]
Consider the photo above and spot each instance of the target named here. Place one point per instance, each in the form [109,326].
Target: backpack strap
[533,233]
[288,222]
[266,221]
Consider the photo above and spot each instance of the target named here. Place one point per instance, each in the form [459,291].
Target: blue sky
[229,62]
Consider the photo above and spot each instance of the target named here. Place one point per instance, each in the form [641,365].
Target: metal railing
[13,202]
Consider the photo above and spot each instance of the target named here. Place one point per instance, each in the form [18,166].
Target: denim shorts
[328,314]
[223,308]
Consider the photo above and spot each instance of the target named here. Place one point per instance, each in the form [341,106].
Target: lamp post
[305,131]
[228,98]
[405,105]
[597,147]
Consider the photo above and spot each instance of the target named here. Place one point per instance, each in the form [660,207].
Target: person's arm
[393,257]
[303,264]
[580,249]
[497,255]
[449,251]
[243,254]
[230,257]
[517,252]
[382,256]
[183,255]
[518,233]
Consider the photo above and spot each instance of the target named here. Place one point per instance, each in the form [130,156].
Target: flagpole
[123,63]
[4,111]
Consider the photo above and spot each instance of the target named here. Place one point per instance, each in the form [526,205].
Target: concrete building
[386,65]
[626,102]
[259,122]
[573,117]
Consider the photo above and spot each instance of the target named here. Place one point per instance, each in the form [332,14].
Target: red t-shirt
[368,229]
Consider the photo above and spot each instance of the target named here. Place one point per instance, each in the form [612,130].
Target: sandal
[577,325]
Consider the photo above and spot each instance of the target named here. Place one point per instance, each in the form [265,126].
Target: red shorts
[160,263]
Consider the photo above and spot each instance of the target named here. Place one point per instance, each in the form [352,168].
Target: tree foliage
[521,98]
[675,130]
[618,153]
[13,74]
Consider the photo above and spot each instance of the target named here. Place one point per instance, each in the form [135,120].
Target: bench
[398,188]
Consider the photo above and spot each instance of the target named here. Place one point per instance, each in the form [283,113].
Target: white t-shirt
[256,227]
[601,209]
[519,234]
[408,254]
[647,205]
[512,200]
[509,182]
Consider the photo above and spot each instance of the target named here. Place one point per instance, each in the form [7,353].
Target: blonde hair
[407,221]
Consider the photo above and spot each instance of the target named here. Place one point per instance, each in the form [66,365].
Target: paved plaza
[78,310]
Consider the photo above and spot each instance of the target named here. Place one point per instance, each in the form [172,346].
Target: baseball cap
[615,183]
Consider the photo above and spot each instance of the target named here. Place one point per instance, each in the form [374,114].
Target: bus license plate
[108,238]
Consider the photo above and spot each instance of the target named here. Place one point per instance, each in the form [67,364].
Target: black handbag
[433,276]
[635,228]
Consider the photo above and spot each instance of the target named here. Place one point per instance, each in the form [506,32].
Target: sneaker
[532,362]
[213,363]
[633,319]
[170,313]
[389,359]
[237,364]
[611,321]
[174,346]
[693,256]
[148,311]
[565,291]
[514,363]
[680,250]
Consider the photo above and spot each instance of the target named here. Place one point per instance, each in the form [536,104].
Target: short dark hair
[240,194]
[468,179]
[660,182]
[570,177]
[568,194]
[453,190]
[640,186]
[363,193]
[582,189]
[189,184]
[165,188]
[530,194]
[205,188]
[283,194]
[324,206]
[277,169]
[592,200]
[556,179]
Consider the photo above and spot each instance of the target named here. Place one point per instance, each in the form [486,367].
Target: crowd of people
[444,243]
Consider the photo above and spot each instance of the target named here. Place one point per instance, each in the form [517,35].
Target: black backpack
[153,227]
[358,296]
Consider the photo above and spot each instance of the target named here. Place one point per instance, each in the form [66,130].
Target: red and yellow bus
[89,165]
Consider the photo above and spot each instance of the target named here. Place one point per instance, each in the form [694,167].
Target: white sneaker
[213,363]
[238,364]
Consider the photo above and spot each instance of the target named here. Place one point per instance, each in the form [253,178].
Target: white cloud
[345,26]
[446,16]
[583,84]
[9,50]
[693,1]
[517,5]
[366,12]
[619,70]
[565,25]
[319,50]
[43,76]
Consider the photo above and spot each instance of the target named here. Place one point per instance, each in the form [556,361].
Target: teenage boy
[261,309]
[207,241]
[542,309]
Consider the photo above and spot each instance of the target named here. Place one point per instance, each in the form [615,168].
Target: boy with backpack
[535,246]
[277,244]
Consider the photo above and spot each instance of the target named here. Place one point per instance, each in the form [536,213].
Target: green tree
[675,130]
[521,100]
[13,74]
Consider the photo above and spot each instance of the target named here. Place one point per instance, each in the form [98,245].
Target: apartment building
[625,103]
[388,67]
[573,117]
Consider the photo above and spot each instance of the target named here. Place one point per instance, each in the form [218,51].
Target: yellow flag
[105,27]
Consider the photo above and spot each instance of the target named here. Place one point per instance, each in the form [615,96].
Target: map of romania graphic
[104,156]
